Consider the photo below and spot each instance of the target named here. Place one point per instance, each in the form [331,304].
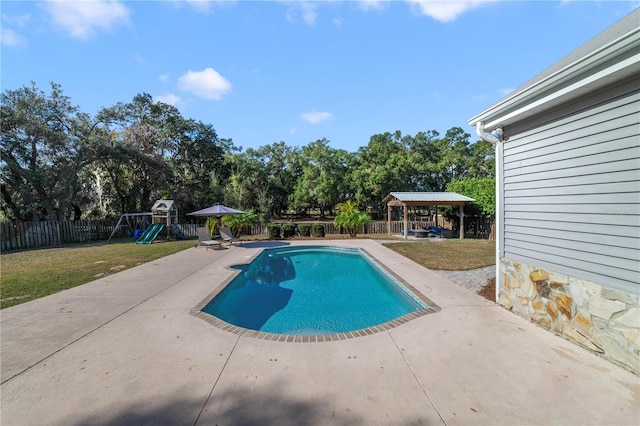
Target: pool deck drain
[124,349]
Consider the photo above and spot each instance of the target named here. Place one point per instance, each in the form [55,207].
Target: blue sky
[264,72]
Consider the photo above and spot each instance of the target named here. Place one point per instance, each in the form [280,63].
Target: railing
[30,235]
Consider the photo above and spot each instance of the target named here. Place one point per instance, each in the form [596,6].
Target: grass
[448,255]
[29,275]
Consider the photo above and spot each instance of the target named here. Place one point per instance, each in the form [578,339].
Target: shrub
[317,230]
[289,230]
[305,230]
[273,231]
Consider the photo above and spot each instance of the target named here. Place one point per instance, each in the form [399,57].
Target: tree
[142,133]
[43,149]
[481,160]
[425,152]
[57,162]
[350,217]
[264,177]
[279,162]
[483,190]
[452,155]
[384,165]
[196,162]
[247,176]
[323,171]
[150,151]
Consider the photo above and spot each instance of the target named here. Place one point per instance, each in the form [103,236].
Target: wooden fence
[375,227]
[30,235]
[27,235]
[478,228]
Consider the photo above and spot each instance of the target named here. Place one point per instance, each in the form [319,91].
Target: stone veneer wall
[602,319]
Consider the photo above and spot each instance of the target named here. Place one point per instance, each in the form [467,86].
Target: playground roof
[163,205]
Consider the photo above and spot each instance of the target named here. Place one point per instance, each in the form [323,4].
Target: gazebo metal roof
[428,198]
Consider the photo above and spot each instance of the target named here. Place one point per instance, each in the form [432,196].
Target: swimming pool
[312,290]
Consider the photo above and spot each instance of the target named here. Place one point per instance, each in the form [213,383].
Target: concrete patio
[124,349]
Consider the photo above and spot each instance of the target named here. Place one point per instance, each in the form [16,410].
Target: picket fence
[31,235]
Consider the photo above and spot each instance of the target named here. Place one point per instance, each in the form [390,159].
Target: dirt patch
[488,291]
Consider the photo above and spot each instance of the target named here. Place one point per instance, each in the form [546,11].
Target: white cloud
[169,98]
[445,11]
[316,117]
[164,78]
[204,6]
[372,4]
[201,6]
[505,91]
[19,20]
[302,9]
[11,38]
[206,84]
[81,19]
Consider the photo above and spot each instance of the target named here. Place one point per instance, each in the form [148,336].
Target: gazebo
[424,199]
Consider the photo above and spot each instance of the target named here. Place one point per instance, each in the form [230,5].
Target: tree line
[57,162]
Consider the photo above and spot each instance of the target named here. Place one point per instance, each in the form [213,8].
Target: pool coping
[431,307]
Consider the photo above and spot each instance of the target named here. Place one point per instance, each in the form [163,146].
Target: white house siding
[570,254]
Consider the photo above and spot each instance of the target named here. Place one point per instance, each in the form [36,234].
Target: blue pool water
[311,290]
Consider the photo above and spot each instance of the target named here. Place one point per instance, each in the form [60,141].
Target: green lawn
[448,255]
[32,274]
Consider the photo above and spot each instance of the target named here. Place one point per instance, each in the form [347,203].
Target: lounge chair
[204,239]
[438,232]
[227,235]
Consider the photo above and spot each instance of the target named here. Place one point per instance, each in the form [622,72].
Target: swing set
[145,227]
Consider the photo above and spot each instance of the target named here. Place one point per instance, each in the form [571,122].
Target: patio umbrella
[216,210]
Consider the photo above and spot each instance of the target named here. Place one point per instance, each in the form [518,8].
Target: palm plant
[350,217]
[239,222]
[213,224]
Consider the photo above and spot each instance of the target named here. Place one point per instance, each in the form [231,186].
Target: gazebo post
[406,221]
[462,221]
[389,207]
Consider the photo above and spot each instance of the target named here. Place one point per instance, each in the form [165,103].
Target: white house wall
[571,194]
